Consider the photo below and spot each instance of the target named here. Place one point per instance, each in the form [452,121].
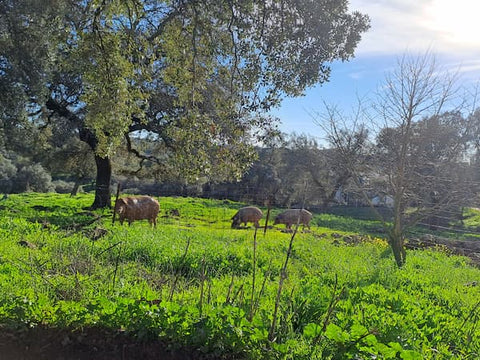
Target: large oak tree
[196,77]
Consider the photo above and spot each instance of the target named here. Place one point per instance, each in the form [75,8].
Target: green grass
[471,219]
[190,283]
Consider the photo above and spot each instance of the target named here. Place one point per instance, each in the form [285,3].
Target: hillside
[72,285]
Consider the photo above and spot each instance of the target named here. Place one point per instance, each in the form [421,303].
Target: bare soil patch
[469,248]
[89,344]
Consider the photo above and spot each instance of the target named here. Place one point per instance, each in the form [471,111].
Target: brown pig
[137,208]
[294,216]
[245,215]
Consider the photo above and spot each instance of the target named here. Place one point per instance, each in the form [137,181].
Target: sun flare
[456,21]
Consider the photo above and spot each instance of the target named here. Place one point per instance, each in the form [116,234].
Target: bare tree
[348,148]
[419,147]
[415,90]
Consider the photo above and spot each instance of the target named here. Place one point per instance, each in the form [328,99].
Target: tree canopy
[196,77]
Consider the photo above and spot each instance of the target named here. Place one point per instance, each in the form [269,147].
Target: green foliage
[189,283]
[19,175]
[471,218]
[194,80]
[111,94]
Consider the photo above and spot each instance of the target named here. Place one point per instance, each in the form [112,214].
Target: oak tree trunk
[102,186]
[104,172]
[395,236]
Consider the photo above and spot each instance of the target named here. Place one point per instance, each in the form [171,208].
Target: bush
[33,178]
[63,187]
[7,174]
[133,191]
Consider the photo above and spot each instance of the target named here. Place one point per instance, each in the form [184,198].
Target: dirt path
[469,248]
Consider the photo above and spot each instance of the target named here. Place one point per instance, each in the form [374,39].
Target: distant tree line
[295,170]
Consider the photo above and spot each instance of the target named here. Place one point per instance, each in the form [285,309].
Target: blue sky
[450,30]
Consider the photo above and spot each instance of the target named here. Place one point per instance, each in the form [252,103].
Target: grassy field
[333,292]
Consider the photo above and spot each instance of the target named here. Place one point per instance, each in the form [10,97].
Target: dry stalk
[334,300]
[266,220]
[117,260]
[230,287]
[254,266]
[283,276]
[237,293]
[202,286]
[283,273]
[262,289]
[116,199]
[176,274]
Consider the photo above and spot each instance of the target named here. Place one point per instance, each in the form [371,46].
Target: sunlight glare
[457,21]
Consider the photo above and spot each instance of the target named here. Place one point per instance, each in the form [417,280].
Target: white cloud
[457,22]
[469,66]
[441,26]
[357,75]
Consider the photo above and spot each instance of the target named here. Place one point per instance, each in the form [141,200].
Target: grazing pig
[247,214]
[294,216]
[137,208]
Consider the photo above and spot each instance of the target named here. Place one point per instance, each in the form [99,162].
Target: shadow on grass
[349,224]
[68,221]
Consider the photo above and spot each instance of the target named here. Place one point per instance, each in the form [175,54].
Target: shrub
[63,187]
[33,178]
[7,173]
